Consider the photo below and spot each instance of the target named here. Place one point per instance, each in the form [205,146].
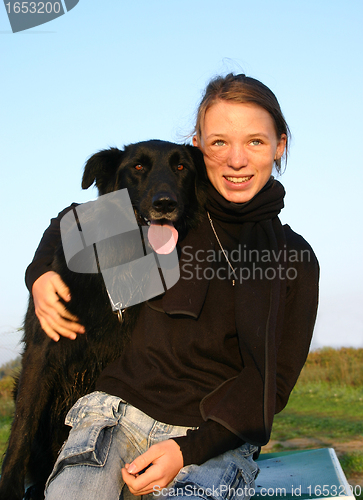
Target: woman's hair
[242,88]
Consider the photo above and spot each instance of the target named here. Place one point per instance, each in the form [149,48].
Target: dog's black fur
[161,178]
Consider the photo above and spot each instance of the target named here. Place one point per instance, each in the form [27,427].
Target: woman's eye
[180,167]
[139,167]
[218,142]
[256,142]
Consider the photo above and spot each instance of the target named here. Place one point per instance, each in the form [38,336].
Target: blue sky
[114,72]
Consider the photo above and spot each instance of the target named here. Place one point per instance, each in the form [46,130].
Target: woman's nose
[237,157]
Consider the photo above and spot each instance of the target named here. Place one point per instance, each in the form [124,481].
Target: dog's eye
[180,167]
[139,167]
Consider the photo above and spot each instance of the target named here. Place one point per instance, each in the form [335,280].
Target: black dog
[161,179]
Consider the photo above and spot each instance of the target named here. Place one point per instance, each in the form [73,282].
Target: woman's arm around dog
[47,286]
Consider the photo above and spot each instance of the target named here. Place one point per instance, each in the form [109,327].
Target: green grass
[322,410]
[352,463]
[6,417]
[5,425]
[6,412]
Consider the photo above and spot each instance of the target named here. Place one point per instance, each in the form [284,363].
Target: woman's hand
[164,460]
[54,318]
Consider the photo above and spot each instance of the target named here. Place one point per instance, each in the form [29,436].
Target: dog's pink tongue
[162,238]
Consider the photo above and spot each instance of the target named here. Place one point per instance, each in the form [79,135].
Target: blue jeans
[107,432]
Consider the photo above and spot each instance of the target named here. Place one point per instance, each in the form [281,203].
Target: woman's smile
[238,180]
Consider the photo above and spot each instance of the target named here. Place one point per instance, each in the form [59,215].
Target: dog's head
[164,180]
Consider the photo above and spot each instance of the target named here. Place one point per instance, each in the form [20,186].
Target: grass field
[325,410]
[321,415]
[327,402]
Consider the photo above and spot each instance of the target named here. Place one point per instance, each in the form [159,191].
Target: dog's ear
[101,168]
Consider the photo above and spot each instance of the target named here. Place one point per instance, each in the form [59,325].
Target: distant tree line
[10,368]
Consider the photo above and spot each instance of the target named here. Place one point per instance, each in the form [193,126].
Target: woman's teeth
[238,180]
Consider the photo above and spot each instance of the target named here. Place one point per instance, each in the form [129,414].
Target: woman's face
[239,144]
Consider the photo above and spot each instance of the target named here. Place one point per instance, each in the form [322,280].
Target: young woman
[194,395]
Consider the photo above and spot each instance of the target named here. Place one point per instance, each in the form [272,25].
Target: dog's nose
[164,202]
